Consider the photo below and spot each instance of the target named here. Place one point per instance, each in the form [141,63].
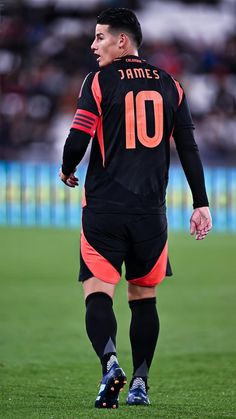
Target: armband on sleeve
[85,121]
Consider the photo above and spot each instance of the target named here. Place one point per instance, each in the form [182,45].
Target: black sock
[101,325]
[144,330]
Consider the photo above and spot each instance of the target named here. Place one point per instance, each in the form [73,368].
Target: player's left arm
[200,222]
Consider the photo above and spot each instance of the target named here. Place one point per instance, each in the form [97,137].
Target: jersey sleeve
[84,124]
[189,154]
[87,113]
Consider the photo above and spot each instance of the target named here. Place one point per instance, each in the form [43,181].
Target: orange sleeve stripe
[82,122]
[83,128]
[100,267]
[180,91]
[85,121]
[101,140]
[157,273]
[97,94]
[86,114]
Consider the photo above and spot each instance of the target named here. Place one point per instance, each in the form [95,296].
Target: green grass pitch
[47,366]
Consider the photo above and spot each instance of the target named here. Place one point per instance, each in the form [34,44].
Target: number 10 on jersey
[140,120]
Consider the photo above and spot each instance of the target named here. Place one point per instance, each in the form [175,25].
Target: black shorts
[140,241]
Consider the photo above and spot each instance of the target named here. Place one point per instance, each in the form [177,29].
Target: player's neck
[128,51]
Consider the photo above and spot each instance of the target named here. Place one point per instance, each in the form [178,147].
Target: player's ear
[123,40]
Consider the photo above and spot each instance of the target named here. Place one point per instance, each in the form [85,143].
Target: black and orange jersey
[131,110]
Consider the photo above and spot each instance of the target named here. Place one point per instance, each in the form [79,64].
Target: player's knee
[135,292]
[93,284]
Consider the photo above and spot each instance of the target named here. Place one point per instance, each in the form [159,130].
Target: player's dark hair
[119,18]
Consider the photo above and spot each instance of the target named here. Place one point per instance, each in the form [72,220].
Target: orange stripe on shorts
[157,273]
[100,267]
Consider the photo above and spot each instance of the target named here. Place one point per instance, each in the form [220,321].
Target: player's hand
[70,180]
[200,222]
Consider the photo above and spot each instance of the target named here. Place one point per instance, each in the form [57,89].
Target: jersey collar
[130,59]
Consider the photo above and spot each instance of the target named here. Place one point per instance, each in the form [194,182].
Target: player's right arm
[200,222]
[82,130]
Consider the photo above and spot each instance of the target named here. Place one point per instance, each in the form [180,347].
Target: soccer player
[130,109]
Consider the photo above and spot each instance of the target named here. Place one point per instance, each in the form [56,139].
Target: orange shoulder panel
[97,94]
[180,91]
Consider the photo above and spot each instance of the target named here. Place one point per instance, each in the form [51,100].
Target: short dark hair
[119,18]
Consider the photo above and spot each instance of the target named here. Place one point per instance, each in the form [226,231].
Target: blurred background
[47,366]
[44,57]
